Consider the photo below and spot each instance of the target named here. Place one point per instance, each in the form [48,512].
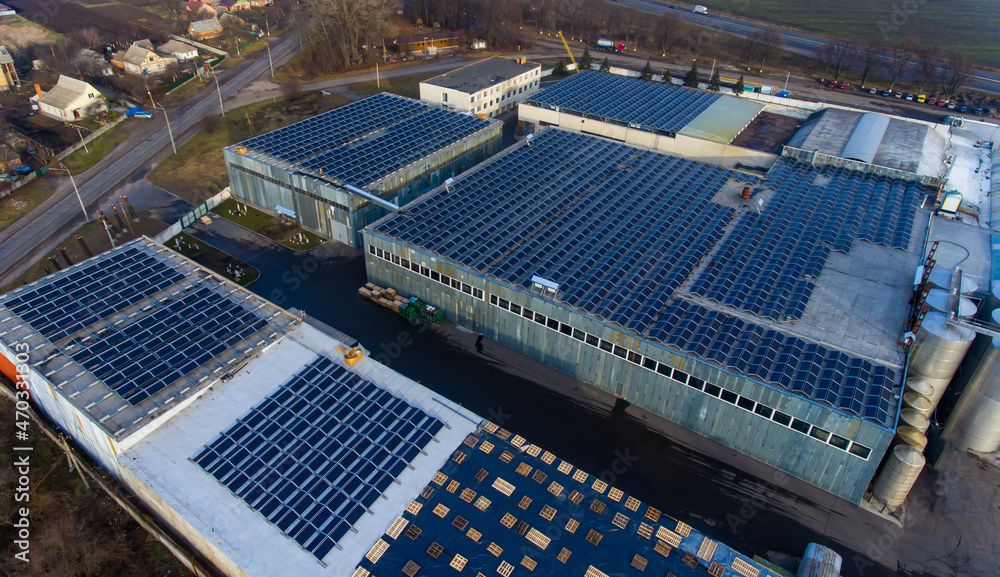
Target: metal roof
[723,120]
[66,90]
[5,57]
[481,75]
[209,25]
[866,138]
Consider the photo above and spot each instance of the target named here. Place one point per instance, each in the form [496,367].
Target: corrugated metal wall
[817,462]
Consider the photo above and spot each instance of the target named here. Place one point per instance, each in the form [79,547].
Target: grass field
[210,257]
[970,27]
[198,170]
[402,85]
[279,230]
[22,201]
[100,147]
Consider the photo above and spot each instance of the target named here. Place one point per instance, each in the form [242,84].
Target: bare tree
[340,31]
[869,56]
[838,54]
[954,75]
[90,37]
[666,30]
[900,57]
[761,45]
[930,62]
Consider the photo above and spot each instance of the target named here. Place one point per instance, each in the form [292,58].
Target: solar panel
[648,105]
[316,454]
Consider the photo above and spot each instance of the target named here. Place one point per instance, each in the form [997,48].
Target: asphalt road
[40,231]
[797,42]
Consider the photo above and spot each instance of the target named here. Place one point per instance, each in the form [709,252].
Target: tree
[930,59]
[338,32]
[605,66]
[716,82]
[739,86]
[647,72]
[869,56]
[900,57]
[666,28]
[761,45]
[691,80]
[586,61]
[560,69]
[838,54]
[956,72]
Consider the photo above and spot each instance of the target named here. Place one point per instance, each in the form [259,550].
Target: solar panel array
[368,139]
[625,100]
[66,303]
[849,383]
[316,454]
[766,265]
[618,228]
[175,336]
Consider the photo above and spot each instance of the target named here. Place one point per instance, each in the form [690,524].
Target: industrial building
[273,446]
[488,87]
[676,120]
[761,313]
[337,172]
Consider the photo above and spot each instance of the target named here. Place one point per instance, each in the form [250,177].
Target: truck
[610,45]
[699,9]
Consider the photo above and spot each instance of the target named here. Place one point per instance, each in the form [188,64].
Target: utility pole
[75,189]
[378,80]
[219,89]
[786,80]
[269,61]
[170,132]
[82,141]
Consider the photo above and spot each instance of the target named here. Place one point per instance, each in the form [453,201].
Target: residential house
[205,29]
[426,44]
[92,63]
[237,5]
[179,50]
[8,74]
[6,10]
[71,99]
[141,58]
[199,8]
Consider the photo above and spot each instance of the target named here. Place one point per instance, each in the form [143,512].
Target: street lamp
[77,190]
[269,61]
[166,115]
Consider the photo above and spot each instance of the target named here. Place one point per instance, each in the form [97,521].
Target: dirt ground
[122,20]
[768,133]
[16,34]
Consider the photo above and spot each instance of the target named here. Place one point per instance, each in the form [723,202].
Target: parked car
[932,100]
[831,85]
[872,90]
[952,106]
[842,86]
[922,98]
[963,109]
[909,97]
[942,102]
[142,114]
[885,93]
[978,112]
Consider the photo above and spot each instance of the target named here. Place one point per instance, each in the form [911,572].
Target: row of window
[711,389]
[434,275]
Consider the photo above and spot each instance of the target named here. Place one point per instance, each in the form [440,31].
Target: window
[649,363]
[729,396]
[635,358]
[435,276]
[527,313]
[516,309]
[839,442]
[592,340]
[425,271]
[745,403]
[395,259]
[446,280]
[620,351]
[696,383]
[566,329]
[664,370]
[467,289]
[456,284]
[378,252]
[404,263]
[860,451]
[504,304]
[371,248]
[493,300]
[712,389]
[579,335]
[764,411]
[444,97]
[781,418]
[821,434]
[552,324]
[478,293]
[606,346]
[680,376]
[800,426]
[540,319]
[414,266]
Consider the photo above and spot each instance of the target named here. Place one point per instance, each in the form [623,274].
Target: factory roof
[630,101]
[664,248]
[503,505]
[131,333]
[481,75]
[362,142]
[299,462]
[890,141]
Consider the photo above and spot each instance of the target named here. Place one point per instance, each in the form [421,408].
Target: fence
[191,75]
[817,158]
[190,218]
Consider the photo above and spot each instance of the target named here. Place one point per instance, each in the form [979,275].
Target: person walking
[479,344]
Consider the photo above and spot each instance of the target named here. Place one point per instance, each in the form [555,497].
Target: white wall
[490,101]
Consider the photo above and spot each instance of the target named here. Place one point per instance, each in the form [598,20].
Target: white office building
[488,87]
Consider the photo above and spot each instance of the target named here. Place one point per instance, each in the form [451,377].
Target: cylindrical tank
[941,277]
[913,418]
[918,403]
[893,484]
[911,436]
[975,421]
[939,350]
[820,561]
[920,387]
[939,300]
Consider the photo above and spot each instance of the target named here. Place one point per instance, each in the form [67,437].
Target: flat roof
[503,505]
[364,141]
[129,334]
[723,120]
[298,464]
[481,75]
[664,248]
[624,100]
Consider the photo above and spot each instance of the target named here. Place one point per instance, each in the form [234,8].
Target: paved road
[798,42]
[40,231]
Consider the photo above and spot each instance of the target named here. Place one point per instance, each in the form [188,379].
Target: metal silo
[939,350]
[916,402]
[914,418]
[975,422]
[893,484]
[820,561]
[941,277]
[939,300]
[911,436]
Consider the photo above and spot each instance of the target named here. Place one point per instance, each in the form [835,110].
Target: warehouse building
[273,447]
[339,171]
[763,314]
[685,122]
[488,87]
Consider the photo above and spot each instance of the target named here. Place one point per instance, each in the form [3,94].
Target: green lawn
[970,27]
[22,201]
[210,257]
[402,85]
[98,148]
[279,230]
[198,170]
